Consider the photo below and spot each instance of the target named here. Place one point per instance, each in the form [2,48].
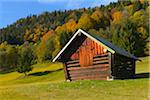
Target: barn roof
[106,44]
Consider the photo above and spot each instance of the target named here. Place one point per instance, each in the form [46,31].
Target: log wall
[123,67]
[98,71]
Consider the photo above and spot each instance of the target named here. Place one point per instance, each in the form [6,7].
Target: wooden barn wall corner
[65,71]
[110,77]
[112,64]
[134,68]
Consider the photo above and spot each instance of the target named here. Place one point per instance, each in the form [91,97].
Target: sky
[12,10]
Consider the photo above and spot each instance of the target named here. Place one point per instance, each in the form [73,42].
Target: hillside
[46,81]
[40,37]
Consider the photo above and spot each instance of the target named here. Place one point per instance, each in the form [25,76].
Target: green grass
[41,73]
[144,65]
[46,82]
[81,90]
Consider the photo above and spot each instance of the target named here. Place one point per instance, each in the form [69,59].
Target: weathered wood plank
[73,65]
[100,58]
[66,71]
[89,74]
[101,70]
[93,66]
[73,61]
[110,64]
[87,71]
[90,77]
[101,55]
[100,62]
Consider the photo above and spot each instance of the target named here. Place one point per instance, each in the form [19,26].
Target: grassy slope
[41,73]
[143,66]
[47,82]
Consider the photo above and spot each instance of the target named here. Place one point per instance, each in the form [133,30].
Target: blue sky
[12,10]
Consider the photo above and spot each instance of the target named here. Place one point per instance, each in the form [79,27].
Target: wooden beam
[133,65]
[93,66]
[93,77]
[99,59]
[65,71]
[73,61]
[110,65]
[73,65]
[89,71]
[100,62]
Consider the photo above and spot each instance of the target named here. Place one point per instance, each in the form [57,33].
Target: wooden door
[85,53]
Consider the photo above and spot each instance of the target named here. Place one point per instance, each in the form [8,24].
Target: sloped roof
[106,44]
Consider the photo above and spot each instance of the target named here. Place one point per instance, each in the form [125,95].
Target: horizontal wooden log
[100,71]
[88,70]
[73,61]
[93,66]
[101,55]
[124,65]
[73,65]
[100,62]
[90,79]
[89,74]
[95,61]
[94,77]
[100,58]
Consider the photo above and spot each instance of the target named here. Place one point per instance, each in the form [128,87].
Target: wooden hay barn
[86,56]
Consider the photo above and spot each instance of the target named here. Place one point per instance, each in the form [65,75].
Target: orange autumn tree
[47,36]
[117,16]
[45,48]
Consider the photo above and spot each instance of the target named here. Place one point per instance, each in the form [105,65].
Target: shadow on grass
[142,75]
[44,73]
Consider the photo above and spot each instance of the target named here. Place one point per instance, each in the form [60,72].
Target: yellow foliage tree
[71,25]
[141,18]
[142,1]
[26,35]
[56,46]
[85,22]
[60,29]
[41,50]
[97,15]
[117,16]
[36,37]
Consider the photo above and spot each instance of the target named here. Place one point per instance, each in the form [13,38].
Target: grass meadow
[46,82]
